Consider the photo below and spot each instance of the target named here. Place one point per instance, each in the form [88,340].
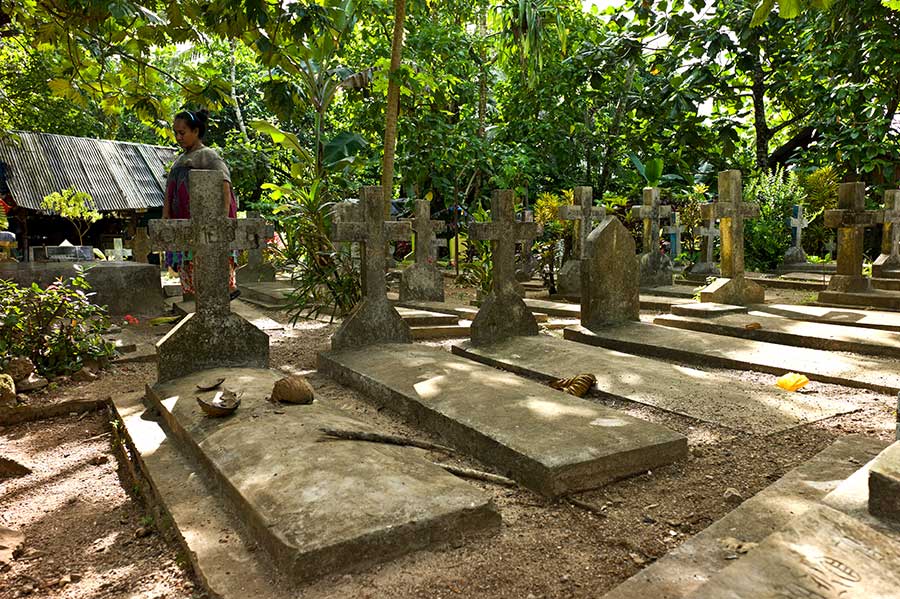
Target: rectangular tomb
[317,508]
[549,441]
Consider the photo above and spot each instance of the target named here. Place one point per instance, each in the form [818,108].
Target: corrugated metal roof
[118,175]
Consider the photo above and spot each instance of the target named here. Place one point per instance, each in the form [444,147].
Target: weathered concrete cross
[888,263]
[731,211]
[257,269]
[656,268]
[585,213]
[709,233]
[797,222]
[119,253]
[503,314]
[674,231]
[212,336]
[651,212]
[426,231]
[851,219]
[140,245]
[423,281]
[374,319]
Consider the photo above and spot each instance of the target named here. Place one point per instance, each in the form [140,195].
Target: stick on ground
[382,438]
[477,474]
[594,509]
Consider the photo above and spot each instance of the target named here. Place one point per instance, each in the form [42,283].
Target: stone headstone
[423,281]
[888,263]
[212,336]
[731,211]
[374,319]
[610,276]
[707,263]
[675,231]
[503,314]
[584,213]
[656,267]
[257,269]
[140,245]
[797,222]
[851,219]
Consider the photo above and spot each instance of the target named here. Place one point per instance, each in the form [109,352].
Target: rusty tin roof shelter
[118,175]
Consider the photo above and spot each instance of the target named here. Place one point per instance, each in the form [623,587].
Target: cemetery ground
[92,530]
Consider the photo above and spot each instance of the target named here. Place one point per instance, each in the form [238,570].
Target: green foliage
[768,237]
[324,277]
[77,207]
[57,327]
[821,189]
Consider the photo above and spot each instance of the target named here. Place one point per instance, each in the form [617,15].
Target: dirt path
[82,518]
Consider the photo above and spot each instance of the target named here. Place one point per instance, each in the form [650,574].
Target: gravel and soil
[90,535]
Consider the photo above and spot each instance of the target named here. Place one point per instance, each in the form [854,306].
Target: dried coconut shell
[292,389]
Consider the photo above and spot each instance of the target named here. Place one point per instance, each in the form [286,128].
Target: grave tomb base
[316,508]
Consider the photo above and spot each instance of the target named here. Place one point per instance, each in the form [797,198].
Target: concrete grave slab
[886,284]
[317,508]
[869,319]
[706,396]
[884,484]
[551,442]
[706,309]
[812,277]
[123,287]
[822,554]
[684,569]
[762,327]
[679,291]
[417,317]
[718,351]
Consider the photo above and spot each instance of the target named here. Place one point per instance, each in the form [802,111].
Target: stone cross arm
[519,231]
[569,212]
[395,231]
[714,210]
[185,234]
[653,211]
[850,218]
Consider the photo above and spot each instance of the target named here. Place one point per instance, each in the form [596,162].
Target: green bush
[768,237]
[57,327]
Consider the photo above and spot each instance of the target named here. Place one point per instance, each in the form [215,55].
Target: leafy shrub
[57,327]
[768,237]
[323,275]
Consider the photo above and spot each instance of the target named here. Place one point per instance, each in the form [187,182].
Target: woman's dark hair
[195,119]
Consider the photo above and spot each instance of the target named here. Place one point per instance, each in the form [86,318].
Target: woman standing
[189,128]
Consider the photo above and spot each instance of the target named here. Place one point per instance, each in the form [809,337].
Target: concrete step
[685,569]
[877,299]
[706,396]
[886,284]
[719,351]
[772,329]
[549,441]
[293,494]
[455,331]
[869,319]
[270,293]
[416,317]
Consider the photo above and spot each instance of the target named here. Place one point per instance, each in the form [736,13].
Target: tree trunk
[238,115]
[392,111]
[606,166]
[763,134]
